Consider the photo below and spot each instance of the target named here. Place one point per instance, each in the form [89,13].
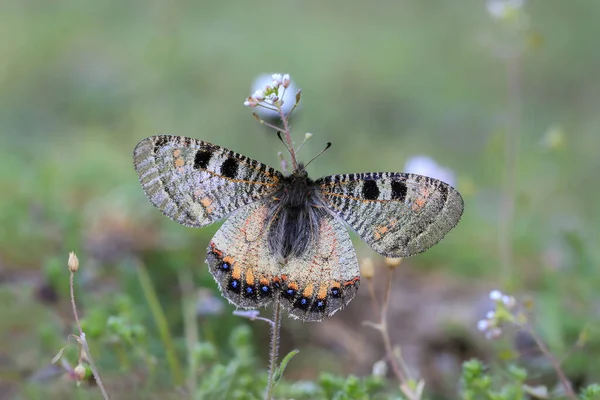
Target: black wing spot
[229,168]
[370,190]
[398,190]
[443,189]
[202,159]
[160,142]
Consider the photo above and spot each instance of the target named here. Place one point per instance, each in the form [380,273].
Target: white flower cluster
[491,326]
[501,9]
[269,94]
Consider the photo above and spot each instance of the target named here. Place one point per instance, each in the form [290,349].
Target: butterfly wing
[397,214]
[239,259]
[325,277]
[197,183]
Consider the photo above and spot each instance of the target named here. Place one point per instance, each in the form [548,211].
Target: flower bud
[73,262]
[286,81]
[393,262]
[367,268]
[79,372]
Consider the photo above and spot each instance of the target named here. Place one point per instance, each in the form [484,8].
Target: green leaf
[279,371]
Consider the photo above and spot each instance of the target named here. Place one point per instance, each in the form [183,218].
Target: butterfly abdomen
[294,219]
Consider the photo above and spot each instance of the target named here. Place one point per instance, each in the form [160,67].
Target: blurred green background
[82,82]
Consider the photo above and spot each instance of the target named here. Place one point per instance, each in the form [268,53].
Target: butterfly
[286,239]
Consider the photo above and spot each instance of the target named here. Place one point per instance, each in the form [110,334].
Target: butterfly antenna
[284,143]
[321,152]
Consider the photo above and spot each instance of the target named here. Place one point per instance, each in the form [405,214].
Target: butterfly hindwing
[397,214]
[325,277]
[239,259]
[196,183]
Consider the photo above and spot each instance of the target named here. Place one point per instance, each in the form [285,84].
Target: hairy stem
[555,364]
[507,205]
[288,137]
[275,328]
[84,342]
[400,374]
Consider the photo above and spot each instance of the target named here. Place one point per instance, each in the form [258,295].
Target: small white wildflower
[380,368]
[263,83]
[259,95]
[307,135]
[273,97]
[251,102]
[423,165]
[509,301]
[276,79]
[483,325]
[490,315]
[493,333]
[496,295]
[286,80]
[501,9]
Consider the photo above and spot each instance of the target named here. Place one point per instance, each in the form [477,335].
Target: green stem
[189,323]
[161,323]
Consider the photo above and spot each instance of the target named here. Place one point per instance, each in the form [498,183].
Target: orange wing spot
[237,271]
[336,285]
[176,153]
[209,210]
[228,259]
[179,162]
[284,277]
[352,281]
[308,292]
[380,231]
[250,277]
[265,281]
[217,252]
[276,279]
[322,293]
[418,204]
[206,202]
[293,285]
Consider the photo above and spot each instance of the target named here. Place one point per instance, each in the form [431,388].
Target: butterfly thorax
[294,215]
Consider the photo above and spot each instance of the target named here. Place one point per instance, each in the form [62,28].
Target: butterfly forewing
[197,183]
[397,214]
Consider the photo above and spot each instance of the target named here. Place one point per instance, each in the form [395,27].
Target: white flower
[490,315]
[276,79]
[263,83]
[380,368]
[307,135]
[483,325]
[493,333]
[508,301]
[259,95]
[286,80]
[251,102]
[501,9]
[496,295]
[423,165]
